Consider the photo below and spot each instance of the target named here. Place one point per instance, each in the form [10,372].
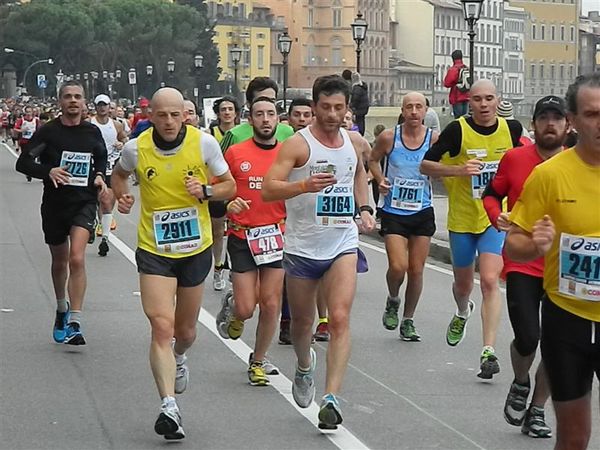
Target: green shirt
[244,131]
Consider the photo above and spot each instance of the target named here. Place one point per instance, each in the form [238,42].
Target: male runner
[320,174]
[172,162]
[469,150]
[557,216]
[114,137]
[407,217]
[72,164]
[255,240]
[524,287]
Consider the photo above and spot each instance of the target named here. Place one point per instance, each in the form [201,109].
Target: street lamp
[236,55]
[359,32]
[149,72]
[50,61]
[132,77]
[198,64]
[472,12]
[170,68]
[284,45]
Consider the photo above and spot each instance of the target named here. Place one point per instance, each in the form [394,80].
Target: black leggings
[524,294]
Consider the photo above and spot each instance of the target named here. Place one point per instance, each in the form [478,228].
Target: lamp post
[198,64]
[149,72]
[50,61]
[359,32]
[132,77]
[86,79]
[236,55]
[105,82]
[284,45]
[94,83]
[170,69]
[472,12]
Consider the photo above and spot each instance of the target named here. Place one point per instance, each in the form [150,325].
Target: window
[571,72]
[543,32]
[562,32]
[552,72]
[260,57]
[562,71]
[542,71]
[337,14]
[533,31]
[336,52]
[572,34]
[310,18]
[246,56]
[553,33]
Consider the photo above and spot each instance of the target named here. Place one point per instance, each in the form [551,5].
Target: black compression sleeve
[449,141]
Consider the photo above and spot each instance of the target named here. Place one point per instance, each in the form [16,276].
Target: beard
[263,135]
[549,142]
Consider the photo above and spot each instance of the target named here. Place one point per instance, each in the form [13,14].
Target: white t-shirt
[210,151]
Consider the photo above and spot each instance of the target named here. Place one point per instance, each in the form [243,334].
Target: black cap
[550,103]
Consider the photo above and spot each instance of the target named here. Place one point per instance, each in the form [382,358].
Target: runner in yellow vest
[172,163]
[467,155]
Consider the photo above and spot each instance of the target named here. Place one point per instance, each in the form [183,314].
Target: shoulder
[294,142]
[130,146]
[357,139]
[514,125]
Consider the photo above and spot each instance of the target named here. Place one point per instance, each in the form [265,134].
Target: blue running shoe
[74,336]
[59,333]
[330,414]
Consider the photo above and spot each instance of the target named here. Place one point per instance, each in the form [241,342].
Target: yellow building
[551,47]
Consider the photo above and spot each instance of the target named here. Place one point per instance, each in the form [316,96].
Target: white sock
[180,359]
[169,401]
[106,221]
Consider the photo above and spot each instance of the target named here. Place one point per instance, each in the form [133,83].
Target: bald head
[167,95]
[483,101]
[414,107]
[168,113]
[413,97]
[483,86]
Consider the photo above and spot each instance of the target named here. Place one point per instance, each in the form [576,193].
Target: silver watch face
[209,190]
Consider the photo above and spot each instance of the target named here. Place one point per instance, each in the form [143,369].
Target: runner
[407,217]
[524,288]
[255,241]
[114,137]
[24,128]
[557,216]
[192,113]
[227,109]
[72,164]
[470,149]
[172,161]
[320,174]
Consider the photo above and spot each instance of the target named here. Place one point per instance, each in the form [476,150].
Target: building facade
[513,76]
[589,43]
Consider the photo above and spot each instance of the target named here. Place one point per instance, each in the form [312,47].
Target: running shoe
[330,414]
[284,332]
[535,425]
[322,332]
[98,229]
[223,315]
[303,386]
[59,333]
[235,328]
[219,282]
[390,316]
[408,332]
[257,375]
[169,424]
[489,364]
[113,225]
[74,335]
[515,406]
[103,247]
[270,368]
[182,376]
[458,327]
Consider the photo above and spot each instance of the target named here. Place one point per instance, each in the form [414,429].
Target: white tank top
[321,225]
[109,134]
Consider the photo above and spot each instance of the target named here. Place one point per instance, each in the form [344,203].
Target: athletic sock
[179,359]
[106,221]
[75,317]
[393,299]
[62,305]
[169,401]
[406,318]
[323,320]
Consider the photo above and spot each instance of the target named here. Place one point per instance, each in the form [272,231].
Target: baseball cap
[550,103]
[144,102]
[102,98]
[505,109]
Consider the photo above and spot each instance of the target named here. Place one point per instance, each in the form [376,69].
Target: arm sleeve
[451,77]
[212,155]
[448,142]
[531,205]
[26,163]
[496,190]
[129,156]
[516,131]
[100,153]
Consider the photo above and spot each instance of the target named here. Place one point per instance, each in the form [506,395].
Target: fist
[125,203]
[543,233]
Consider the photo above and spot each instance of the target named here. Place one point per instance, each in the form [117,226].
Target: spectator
[505,109]
[459,85]
[431,118]
[347,75]
[359,102]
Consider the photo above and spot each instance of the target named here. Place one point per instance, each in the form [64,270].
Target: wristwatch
[207,190]
[366,208]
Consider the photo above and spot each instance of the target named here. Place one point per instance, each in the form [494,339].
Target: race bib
[26,134]
[579,267]
[78,165]
[335,207]
[407,194]
[177,230]
[479,182]
[112,159]
[265,243]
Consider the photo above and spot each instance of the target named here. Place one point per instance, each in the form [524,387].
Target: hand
[101,186]
[384,186]
[194,187]
[366,223]
[472,167]
[59,175]
[118,146]
[503,222]
[318,182]
[238,205]
[543,233]
[125,203]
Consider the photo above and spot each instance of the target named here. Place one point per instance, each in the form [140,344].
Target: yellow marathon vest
[465,207]
[173,223]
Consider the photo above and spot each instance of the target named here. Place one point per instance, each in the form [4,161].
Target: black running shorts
[190,271]
[241,259]
[570,350]
[418,224]
[57,220]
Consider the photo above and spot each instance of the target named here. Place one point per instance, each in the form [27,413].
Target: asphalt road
[396,395]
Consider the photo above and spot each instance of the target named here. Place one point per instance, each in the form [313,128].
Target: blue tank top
[411,190]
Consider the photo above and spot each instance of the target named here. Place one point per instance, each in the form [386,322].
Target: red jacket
[450,81]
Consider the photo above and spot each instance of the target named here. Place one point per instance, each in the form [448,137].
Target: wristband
[366,208]
[101,175]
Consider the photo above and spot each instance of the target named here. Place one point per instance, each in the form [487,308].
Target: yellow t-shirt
[172,223]
[568,190]
[465,207]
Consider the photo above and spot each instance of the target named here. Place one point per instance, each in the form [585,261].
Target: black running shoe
[74,336]
[103,247]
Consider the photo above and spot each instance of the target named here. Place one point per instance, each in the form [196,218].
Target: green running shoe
[489,364]
[458,327]
[408,331]
[390,315]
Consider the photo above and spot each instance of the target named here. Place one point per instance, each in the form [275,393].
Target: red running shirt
[514,169]
[249,164]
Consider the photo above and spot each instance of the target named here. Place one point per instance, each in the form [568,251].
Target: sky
[589,4]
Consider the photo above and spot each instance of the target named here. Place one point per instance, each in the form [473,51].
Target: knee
[489,283]
[339,322]
[415,272]
[185,335]
[398,268]
[573,438]
[526,344]
[162,329]
[77,262]
[244,310]
[60,264]
[270,306]
[463,287]
[302,322]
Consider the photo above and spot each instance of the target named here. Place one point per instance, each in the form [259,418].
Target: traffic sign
[132,77]
[41,80]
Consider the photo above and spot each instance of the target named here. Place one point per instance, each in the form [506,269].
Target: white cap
[102,98]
